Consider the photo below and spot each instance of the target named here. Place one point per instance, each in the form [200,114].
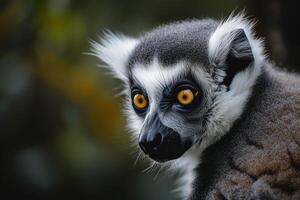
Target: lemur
[202,97]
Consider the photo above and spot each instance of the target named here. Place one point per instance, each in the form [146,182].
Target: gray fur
[175,42]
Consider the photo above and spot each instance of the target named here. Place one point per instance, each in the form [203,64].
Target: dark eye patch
[169,99]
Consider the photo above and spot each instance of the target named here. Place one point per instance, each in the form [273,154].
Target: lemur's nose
[162,146]
[160,142]
[151,143]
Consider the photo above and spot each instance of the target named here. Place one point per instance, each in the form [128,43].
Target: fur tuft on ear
[232,47]
[221,40]
[114,50]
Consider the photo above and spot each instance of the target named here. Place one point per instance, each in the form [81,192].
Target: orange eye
[185,97]
[140,101]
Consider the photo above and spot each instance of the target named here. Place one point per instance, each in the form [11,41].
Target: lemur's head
[185,83]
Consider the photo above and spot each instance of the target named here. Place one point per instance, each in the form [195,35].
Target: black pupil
[184,96]
[140,100]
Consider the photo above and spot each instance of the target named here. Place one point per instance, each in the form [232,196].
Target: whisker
[158,171]
[148,169]
[137,159]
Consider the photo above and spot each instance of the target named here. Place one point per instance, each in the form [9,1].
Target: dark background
[62,135]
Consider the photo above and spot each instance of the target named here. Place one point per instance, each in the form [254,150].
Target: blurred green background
[62,132]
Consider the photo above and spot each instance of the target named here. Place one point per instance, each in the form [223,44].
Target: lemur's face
[185,83]
[168,104]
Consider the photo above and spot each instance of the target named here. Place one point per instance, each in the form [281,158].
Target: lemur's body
[259,158]
[201,95]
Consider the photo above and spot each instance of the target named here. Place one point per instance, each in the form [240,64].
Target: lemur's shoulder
[260,157]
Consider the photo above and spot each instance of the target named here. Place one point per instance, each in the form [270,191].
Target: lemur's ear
[239,56]
[230,49]
[114,50]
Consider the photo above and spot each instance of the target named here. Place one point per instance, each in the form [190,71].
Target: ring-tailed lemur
[201,97]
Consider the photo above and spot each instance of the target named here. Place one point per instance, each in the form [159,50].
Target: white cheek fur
[114,50]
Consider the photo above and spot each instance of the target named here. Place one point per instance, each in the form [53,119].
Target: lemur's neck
[261,84]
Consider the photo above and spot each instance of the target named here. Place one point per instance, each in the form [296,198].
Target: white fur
[229,106]
[115,50]
[154,76]
[186,165]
